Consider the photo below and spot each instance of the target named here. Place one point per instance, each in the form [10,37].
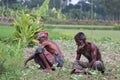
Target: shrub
[26,28]
[11,61]
[2,67]
[117,27]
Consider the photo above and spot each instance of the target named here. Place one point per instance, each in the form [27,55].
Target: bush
[117,27]
[11,61]
[2,67]
[26,28]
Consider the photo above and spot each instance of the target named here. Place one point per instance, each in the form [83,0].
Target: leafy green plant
[26,28]
[2,61]
[77,77]
[42,11]
[10,58]
[55,14]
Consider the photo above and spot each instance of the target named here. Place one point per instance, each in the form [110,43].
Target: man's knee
[38,59]
[98,65]
[39,51]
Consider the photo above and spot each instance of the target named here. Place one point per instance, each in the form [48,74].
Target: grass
[55,33]
[99,35]
[79,26]
[6,31]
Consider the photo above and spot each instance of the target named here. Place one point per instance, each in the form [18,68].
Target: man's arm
[44,44]
[93,54]
[78,55]
[28,59]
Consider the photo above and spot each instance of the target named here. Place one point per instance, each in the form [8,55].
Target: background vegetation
[102,10]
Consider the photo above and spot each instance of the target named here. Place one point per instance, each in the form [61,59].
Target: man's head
[42,36]
[80,39]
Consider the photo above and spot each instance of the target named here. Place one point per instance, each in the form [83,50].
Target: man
[47,54]
[90,51]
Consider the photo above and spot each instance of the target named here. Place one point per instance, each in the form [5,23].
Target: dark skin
[51,47]
[89,48]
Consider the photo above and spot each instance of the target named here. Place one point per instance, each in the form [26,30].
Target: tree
[112,9]
[33,3]
[55,4]
[7,3]
[74,14]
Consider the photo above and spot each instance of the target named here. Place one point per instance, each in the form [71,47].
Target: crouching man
[90,51]
[47,54]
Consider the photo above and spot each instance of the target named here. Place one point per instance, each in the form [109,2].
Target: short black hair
[80,35]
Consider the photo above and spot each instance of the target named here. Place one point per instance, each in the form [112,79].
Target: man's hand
[25,62]
[90,64]
[56,58]
[28,59]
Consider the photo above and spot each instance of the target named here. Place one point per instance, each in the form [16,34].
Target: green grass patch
[68,34]
[6,32]
[90,27]
[96,35]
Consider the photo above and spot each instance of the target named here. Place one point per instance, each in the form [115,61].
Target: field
[12,56]
[5,31]
[91,34]
[57,33]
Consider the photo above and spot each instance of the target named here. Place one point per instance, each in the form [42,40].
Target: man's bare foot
[78,71]
[48,70]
